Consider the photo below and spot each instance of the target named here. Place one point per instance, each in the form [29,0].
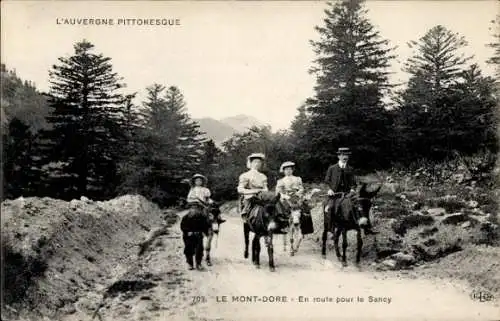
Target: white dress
[290,184]
[251,179]
[198,193]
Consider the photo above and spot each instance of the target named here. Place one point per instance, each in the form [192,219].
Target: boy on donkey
[342,183]
[200,194]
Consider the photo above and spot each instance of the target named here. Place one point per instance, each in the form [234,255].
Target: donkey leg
[256,250]
[292,246]
[199,250]
[344,247]
[188,250]
[359,245]
[299,240]
[270,251]
[323,242]
[326,223]
[284,242]
[208,244]
[246,234]
[336,238]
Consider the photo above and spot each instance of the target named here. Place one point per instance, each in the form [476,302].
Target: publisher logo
[481,296]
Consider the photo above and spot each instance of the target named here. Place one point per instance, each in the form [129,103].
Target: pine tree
[474,116]
[436,66]
[160,142]
[300,122]
[167,147]
[186,132]
[24,112]
[87,121]
[301,149]
[352,78]
[428,109]
[178,136]
[210,158]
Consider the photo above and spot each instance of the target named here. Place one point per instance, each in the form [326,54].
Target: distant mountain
[242,122]
[222,130]
[215,129]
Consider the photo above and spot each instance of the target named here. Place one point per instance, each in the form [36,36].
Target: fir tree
[167,147]
[87,121]
[185,132]
[24,112]
[437,109]
[352,78]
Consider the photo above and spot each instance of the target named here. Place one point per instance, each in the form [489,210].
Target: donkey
[349,213]
[214,224]
[295,206]
[262,222]
[200,221]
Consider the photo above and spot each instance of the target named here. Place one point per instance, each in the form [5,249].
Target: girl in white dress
[199,193]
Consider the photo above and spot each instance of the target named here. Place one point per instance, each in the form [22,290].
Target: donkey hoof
[272,269]
[190,267]
[344,264]
[323,256]
[292,253]
[245,255]
[209,263]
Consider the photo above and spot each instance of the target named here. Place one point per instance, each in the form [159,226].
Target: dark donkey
[201,220]
[262,222]
[350,214]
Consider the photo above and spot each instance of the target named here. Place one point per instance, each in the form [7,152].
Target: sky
[227,58]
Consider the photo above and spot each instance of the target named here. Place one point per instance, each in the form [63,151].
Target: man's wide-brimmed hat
[285,165]
[344,151]
[255,156]
[204,178]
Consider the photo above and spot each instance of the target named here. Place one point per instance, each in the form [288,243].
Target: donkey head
[364,202]
[296,201]
[213,213]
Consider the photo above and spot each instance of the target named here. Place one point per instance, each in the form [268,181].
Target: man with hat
[341,182]
[251,182]
[199,193]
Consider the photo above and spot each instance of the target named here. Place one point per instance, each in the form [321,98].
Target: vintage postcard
[250,160]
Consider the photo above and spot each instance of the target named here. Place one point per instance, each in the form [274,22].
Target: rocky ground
[122,260]
[449,229]
[55,252]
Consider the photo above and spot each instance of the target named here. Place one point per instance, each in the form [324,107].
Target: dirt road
[195,295]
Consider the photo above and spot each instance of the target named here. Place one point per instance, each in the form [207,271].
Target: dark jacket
[340,180]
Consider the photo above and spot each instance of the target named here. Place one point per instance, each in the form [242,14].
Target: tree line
[85,136]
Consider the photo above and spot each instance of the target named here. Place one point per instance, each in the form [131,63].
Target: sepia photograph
[250,160]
